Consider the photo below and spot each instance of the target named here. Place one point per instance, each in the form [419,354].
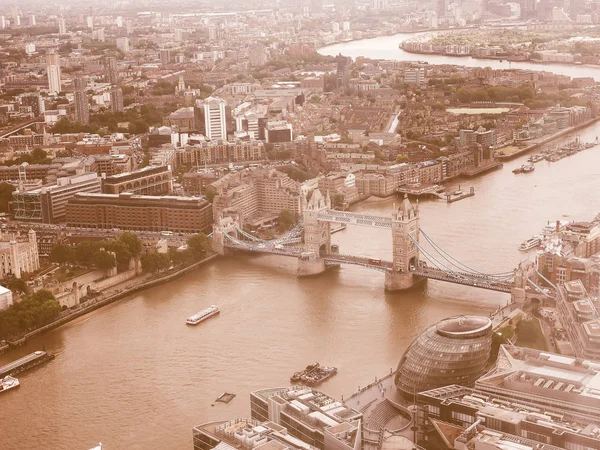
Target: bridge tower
[405,223]
[223,226]
[317,235]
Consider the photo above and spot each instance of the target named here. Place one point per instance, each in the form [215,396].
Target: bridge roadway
[481,282]
[294,252]
[371,263]
[350,218]
[464,279]
[20,126]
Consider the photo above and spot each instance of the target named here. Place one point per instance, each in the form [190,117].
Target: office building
[53,71]
[260,194]
[457,411]
[123,44]
[247,434]
[47,204]
[546,379]
[538,399]
[277,132]
[149,180]
[99,35]
[184,119]
[219,152]
[109,165]
[62,25]
[127,211]
[258,55]
[18,255]
[453,351]
[6,299]
[215,118]
[31,22]
[111,70]
[165,56]
[35,101]
[28,172]
[116,99]
[571,252]
[578,314]
[310,415]
[2,22]
[415,76]
[196,183]
[90,22]
[82,106]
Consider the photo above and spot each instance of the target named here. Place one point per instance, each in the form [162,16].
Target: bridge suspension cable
[435,262]
[459,265]
[546,280]
[537,288]
[286,238]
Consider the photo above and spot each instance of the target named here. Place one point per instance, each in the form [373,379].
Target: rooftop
[549,378]
[315,410]
[249,434]
[488,407]
[462,327]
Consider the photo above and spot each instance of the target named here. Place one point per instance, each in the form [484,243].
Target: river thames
[134,376]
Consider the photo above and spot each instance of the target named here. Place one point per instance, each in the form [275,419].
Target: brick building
[150,180]
[127,211]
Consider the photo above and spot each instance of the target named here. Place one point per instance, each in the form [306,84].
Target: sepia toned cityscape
[300,225]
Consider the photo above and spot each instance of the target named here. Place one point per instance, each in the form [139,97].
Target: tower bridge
[415,256]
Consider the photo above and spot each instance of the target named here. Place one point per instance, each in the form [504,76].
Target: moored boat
[8,382]
[530,243]
[202,315]
[314,374]
[528,168]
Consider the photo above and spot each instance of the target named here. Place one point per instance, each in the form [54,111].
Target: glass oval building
[453,351]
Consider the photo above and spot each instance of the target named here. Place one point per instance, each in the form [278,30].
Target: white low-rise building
[5,298]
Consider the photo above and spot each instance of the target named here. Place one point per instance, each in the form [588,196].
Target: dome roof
[453,351]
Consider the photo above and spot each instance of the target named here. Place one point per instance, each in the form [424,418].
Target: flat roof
[19,362]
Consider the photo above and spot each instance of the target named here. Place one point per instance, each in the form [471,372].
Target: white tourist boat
[530,243]
[202,315]
[8,382]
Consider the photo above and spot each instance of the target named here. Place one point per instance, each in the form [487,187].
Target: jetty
[225,397]
[25,363]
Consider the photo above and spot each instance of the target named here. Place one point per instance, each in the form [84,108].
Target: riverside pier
[25,363]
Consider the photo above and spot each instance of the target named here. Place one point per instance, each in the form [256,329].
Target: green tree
[337,199]
[286,219]
[149,263]
[6,191]
[104,260]
[121,250]
[132,242]
[154,261]
[62,254]
[31,312]
[15,284]
[38,154]
[199,244]
[84,252]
